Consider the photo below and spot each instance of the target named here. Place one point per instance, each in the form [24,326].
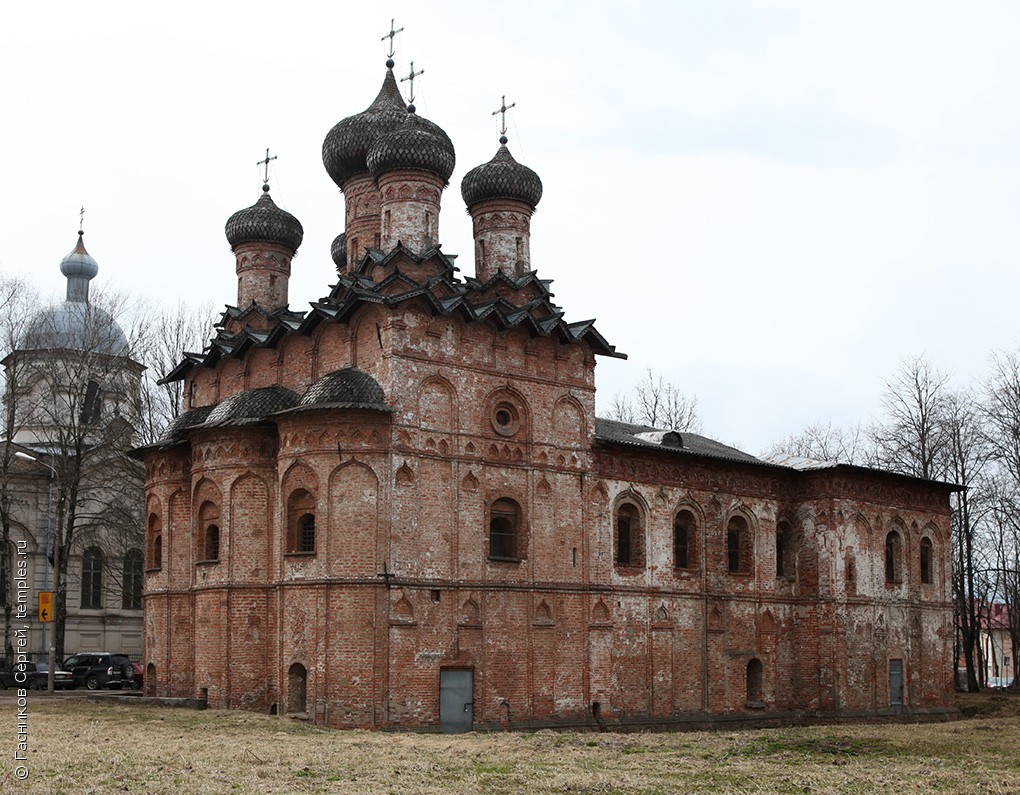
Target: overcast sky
[770,203]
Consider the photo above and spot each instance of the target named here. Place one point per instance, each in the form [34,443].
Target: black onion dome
[345,148]
[417,143]
[252,405]
[347,388]
[501,178]
[264,222]
[338,250]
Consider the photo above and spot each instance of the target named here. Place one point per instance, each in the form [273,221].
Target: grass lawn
[78,748]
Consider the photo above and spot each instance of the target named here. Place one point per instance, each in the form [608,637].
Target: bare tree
[158,338]
[829,442]
[912,438]
[16,302]
[965,456]
[657,403]
[72,389]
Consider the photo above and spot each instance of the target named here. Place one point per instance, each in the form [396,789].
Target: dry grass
[80,748]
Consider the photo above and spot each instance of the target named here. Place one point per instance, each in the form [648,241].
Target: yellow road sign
[45,606]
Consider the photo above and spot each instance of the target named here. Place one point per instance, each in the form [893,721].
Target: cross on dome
[265,178]
[502,121]
[410,77]
[391,36]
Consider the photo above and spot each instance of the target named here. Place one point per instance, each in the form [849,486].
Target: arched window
[301,522]
[212,542]
[297,683]
[629,536]
[755,681]
[785,555]
[209,532]
[131,585]
[155,542]
[893,552]
[738,546]
[505,530]
[683,540]
[926,574]
[92,579]
[151,684]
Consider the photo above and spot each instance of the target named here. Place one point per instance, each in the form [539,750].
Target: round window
[505,419]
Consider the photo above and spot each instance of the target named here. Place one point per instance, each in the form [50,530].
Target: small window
[893,550]
[755,681]
[301,522]
[683,540]
[504,530]
[629,536]
[212,542]
[131,587]
[738,546]
[92,579]
[785,553]
[926,577]
[155,542]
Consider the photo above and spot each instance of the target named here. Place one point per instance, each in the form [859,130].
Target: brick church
[398,508]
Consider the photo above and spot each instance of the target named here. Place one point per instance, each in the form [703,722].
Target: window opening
[92,579]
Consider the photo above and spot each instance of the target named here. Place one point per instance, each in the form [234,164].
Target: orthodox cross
[391,35]
[81,219]
[411,77]
[502,120]
[266,162]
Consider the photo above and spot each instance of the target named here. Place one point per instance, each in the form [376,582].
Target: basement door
[456,703]
[896,685]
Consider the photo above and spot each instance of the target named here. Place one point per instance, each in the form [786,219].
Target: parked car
[36,677]
[96,670]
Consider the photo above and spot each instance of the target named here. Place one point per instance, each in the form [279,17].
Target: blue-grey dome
[79,262]
[76,324]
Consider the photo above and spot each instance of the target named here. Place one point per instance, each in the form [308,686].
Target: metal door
[896,684]
[456,702]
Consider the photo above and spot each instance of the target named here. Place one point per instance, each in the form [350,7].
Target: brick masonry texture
[402,582]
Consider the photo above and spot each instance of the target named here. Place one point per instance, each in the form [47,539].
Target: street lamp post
[46,571]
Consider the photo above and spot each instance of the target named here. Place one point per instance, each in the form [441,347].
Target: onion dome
[347,388]
[252,405]
[501,178]
[264,222]
[417,143]
[79,262]
[345,149]
[76,324]
[338,250]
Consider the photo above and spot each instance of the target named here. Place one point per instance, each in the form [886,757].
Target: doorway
[456,701]
[896,685]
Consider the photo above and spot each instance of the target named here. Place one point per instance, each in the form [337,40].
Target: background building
[72,399]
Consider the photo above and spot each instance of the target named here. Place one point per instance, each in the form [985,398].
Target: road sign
[45,606]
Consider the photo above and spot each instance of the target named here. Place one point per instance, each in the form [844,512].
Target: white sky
[769,202]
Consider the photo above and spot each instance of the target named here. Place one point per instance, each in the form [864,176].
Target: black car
[96,670]
[35,677]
